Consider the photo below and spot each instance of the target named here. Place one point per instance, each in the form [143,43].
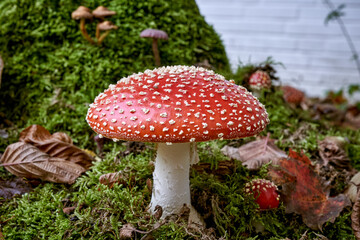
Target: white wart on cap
[176,104]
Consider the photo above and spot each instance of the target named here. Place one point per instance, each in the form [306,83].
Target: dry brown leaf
[24,160]
[355,217]
[328,111]
[13,187]
[61,136]
[34,133]
[58,145]
[69,210]
[127,231]
[256,153]
[352,118]
[110,179]
[353,186]
[224,168]
[331,149]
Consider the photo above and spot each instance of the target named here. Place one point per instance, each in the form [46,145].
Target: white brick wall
[316,56]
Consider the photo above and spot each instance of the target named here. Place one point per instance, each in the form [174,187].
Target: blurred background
[312,38]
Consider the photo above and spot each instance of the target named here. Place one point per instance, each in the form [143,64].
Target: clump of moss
[102,211]
[51,73]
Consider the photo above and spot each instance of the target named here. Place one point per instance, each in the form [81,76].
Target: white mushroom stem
[171,184]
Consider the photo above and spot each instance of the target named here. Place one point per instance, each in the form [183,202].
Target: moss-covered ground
[52,74]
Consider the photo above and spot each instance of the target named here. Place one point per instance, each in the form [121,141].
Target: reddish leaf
[304,193]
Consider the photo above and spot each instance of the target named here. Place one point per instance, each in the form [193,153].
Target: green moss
[51,75]
[48,63]
[36,215]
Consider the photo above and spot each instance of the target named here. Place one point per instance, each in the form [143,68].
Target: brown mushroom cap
[259,80]
[81,12]
[101,12]
[154,33]
[176,104]
[106,25]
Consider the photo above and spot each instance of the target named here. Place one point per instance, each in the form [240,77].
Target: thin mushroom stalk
[156,52]
[97,33]
[84,32]
[103,36]
[83,13]
[155,34]
[104,26]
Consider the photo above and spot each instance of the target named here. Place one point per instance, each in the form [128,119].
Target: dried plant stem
[346,35]
[97,34]
[103,36]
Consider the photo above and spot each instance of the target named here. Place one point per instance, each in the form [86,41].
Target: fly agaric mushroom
[292,95]
[175,106]
[83,13]
[264,192]
[105,26]
[259,80]
[101,13]
[155,35]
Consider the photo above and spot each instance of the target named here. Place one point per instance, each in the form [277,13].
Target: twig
[346,34]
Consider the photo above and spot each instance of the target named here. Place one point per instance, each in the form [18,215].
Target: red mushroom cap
[154,33]
[176,104]
[259,80]
[264,192]
[292,95]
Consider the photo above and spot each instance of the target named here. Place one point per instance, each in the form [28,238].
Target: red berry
[264,192]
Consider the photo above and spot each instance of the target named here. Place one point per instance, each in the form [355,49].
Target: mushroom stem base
[171,184]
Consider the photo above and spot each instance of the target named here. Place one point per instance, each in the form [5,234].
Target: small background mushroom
[101,13]
[258,81]
[106,26]
[83,13]
[155,35]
